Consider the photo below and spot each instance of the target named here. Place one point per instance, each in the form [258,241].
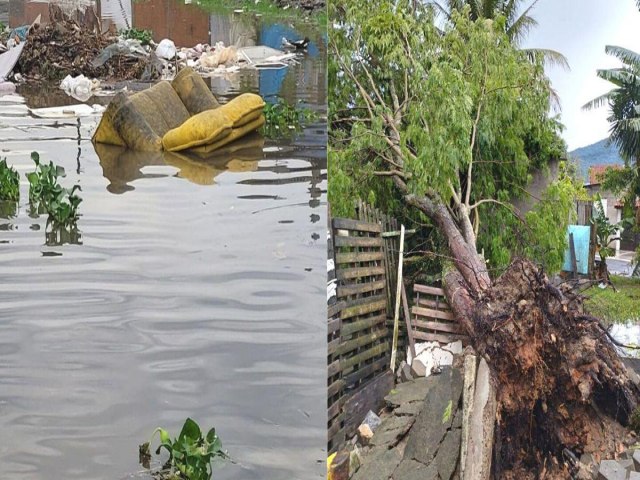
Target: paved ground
[621,264]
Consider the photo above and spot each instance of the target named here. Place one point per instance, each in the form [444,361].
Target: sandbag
[141,120]
[207,127]
[235,134]
[193,91]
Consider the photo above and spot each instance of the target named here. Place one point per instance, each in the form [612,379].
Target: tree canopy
[457,117]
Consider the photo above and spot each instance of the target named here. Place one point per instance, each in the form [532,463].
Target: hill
[599,153]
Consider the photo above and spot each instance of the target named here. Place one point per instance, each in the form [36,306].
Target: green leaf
[190,430]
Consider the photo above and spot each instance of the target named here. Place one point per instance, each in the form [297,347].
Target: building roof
[596,173]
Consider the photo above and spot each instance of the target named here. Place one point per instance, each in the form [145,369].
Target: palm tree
[517,24]
[623,101]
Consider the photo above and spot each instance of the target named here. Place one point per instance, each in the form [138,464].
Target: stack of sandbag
[178,116]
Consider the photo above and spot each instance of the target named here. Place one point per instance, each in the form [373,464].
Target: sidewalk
[621,264]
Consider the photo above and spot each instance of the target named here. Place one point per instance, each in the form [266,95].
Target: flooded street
[194,288]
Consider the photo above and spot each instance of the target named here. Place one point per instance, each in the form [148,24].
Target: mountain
[598,153]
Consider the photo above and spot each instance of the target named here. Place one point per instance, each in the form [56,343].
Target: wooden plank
[357,257]
[407,322]
[359,272]
[428,312]
[359,288]
[369,397]
[439,337]
[396,313]
[333,325]
[439,326]
[358,242]
[353,327]
[332,346]
[335,388]
[358,310]
[361,341]
[349,224]
[335,407]
[377,366]
[333,310]
[333,368]
[346,363]
[440,304]
[428,290]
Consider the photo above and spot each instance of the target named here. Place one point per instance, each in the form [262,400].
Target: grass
[613,307]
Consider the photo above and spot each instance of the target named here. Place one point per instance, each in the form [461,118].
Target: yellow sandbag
[207,127]
[235,134]
[243,109]
[140,121]
[193,91]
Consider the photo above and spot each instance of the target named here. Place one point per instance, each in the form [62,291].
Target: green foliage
[605,230]
[548,223]
[46,193]
[444,88]
[283,120]
[191,453]
[446,416]
[615,307]
[143,36]
[9,182]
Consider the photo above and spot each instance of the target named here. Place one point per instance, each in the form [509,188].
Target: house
[611,205]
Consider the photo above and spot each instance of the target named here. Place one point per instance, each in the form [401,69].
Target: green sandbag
[193,91]
[140,121]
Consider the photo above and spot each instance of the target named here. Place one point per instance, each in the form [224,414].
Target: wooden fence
[431,318]
[358,354]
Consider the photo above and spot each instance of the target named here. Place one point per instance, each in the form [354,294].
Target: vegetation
[451,121]
[190,454]
[9,182]
[283,120]
[143,36]
[615,307]
[624,133]
[46,193]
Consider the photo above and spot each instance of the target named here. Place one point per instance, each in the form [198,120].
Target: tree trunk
[562,389]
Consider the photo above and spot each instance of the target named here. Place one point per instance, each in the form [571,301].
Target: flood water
[194,288]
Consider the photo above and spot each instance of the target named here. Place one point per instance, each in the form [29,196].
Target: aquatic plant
[190,454]
[44,191]
[283,119]
[9,182]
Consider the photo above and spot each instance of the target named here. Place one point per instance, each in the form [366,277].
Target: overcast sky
[580,29]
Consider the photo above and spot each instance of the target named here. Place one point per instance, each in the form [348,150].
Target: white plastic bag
[166,49]
[80,87]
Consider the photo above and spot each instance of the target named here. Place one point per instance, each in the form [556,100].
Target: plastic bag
[166,49]
[221,55]
[128,47]
[80,87]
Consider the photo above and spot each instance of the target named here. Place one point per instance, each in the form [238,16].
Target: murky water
[193,288]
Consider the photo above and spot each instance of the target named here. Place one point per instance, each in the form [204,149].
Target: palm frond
[598,101]
[522,25]
[550,58]
[618,76]
[629,57]
[440,9]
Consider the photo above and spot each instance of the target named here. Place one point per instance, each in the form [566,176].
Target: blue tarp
[581,237]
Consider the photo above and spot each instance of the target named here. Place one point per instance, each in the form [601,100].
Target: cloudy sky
[580,29]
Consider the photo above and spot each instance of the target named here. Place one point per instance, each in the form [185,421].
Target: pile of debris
[66,47]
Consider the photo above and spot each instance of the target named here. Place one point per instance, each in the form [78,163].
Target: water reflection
[122,166]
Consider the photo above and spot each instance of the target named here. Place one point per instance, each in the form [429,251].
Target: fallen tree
[449,124]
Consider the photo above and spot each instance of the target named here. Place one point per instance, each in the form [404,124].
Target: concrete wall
[539,183]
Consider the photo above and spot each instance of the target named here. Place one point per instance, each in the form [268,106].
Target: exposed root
[562,389]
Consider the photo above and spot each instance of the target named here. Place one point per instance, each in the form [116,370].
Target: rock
[447,457]
[355,460]
[412,470]
[379,464]
[436,417]
[364,434]
[405,373]
[372,420]
[627,463]
[411,408]
[634,476]
[418,369]
[636,459]
[391,431]
[407,392]
[611,470]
